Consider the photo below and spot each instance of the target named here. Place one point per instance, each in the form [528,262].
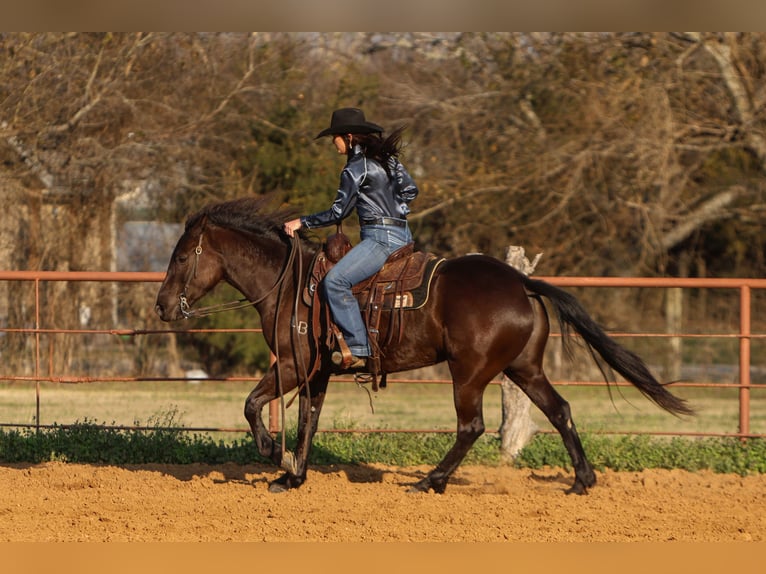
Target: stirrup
[350,362]
[357,363]
[337,358]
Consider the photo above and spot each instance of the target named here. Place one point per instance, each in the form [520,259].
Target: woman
[376,184]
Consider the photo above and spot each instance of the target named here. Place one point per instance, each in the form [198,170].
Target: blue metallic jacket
[365,185]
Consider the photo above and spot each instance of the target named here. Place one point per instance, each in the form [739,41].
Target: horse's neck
[254,270]
[259,272]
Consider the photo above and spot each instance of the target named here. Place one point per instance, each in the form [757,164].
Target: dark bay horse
[482,317]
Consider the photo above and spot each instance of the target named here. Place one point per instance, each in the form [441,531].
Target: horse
[482,317]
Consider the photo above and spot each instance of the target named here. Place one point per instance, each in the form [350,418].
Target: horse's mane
[249,214]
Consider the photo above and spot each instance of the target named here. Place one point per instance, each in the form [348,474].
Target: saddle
[401,284]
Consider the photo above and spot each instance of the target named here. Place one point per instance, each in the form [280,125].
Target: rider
[375,183]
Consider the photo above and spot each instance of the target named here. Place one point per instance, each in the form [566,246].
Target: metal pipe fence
[744,336]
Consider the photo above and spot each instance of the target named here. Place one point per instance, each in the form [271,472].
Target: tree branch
[710,210]
[444,204]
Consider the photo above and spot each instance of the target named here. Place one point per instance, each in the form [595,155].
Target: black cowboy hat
[349,121]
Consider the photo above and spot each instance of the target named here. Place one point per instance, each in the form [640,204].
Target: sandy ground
[196,503]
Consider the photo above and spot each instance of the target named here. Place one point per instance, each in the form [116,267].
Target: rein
[288,458]
[188,312]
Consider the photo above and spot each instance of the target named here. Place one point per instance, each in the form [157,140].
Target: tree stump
[517,427]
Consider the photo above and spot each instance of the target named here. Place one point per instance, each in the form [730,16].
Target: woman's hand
[292,226]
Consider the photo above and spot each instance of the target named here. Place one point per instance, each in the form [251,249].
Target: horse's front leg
[296,465]
[264,392]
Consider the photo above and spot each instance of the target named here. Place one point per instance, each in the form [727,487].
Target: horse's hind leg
[468,394]
[527,372]
[540,391]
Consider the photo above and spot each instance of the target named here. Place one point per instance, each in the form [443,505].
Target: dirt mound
[74,502]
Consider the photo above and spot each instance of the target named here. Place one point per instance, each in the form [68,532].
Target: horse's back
[476,304]
[490,280]
[481,293]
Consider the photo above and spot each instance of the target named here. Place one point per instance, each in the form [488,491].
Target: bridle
[188,312]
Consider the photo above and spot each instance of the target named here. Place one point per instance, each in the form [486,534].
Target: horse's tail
[571,313]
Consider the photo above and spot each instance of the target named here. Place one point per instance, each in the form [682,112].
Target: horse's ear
[194,220]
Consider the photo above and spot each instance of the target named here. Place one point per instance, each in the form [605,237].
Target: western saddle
[403,283]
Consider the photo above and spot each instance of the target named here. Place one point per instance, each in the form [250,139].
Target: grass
[636,453]
[87,442]
[215,404]
[170,406]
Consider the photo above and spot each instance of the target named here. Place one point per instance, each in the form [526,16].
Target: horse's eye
[181,258]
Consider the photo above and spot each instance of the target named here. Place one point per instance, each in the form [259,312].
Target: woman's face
[340,143]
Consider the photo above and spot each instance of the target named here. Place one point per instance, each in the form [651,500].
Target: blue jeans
[363,261]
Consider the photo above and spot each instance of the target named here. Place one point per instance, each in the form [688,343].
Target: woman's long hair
[379,149]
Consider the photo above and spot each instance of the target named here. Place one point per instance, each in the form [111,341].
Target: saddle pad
[415,297]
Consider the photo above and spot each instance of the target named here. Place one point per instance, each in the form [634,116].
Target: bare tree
[609,151]
[615,153]
[86,120]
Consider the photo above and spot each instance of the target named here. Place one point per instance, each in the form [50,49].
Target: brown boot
[348,362]
[357,363]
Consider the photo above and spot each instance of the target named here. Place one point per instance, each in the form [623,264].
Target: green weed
[88,442]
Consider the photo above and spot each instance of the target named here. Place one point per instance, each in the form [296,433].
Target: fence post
[37,355]
[744,360]
[674,311]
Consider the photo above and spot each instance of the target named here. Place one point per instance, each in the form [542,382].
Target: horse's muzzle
[172,314]
[160,310]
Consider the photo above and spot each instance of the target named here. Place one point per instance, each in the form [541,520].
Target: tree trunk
[517,427]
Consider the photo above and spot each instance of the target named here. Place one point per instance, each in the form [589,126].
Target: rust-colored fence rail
[743,287]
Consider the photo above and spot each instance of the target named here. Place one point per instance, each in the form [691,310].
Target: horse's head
[234,241]
[193,271]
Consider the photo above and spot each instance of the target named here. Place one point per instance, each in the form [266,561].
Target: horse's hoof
[428,484]
[577,488]
[277,487]
[281,484]
[582,483]
[286,482]
[420,486]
